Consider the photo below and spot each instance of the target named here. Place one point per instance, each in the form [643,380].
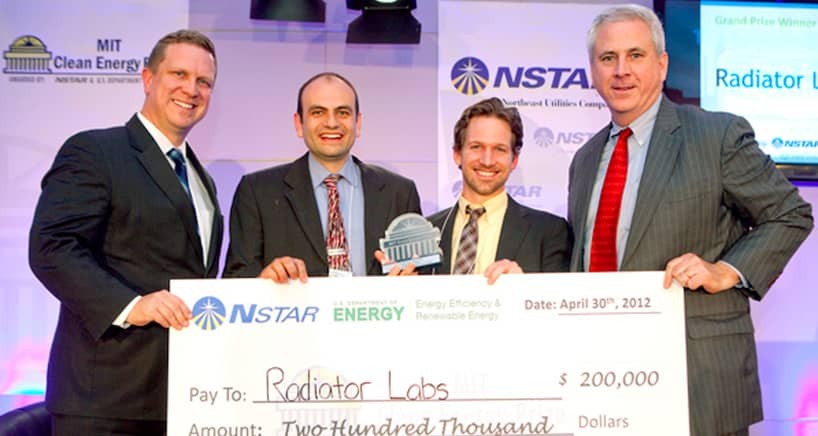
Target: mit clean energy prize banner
[559,354]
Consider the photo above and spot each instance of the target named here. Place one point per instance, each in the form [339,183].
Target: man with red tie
[675,188]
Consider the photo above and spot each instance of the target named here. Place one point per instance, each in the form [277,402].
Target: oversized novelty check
[533,354]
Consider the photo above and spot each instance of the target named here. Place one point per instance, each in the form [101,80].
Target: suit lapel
[376,209]
[160,170]
[215,234]
[663,152]
[447,228]
[513,232]
[301,197]
[583,179]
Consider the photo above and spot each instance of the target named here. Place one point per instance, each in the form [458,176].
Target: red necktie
[337,250]
[603,242]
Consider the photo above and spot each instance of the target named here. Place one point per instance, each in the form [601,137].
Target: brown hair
[183,36]
[491,107]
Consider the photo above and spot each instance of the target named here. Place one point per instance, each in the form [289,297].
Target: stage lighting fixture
[289,10]
[383,22]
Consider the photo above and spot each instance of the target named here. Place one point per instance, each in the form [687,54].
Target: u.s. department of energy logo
[27,54]
[209,313]
[470,76]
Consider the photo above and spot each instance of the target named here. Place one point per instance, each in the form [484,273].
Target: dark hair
[183,36]
[300,109]
[491,107]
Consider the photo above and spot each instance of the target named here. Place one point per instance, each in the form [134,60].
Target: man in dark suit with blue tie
[122,212]
[675,188]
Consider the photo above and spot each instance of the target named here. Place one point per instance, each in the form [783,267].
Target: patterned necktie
[337,249]
[181,174]
[603,241]
[467,250]
[180,168]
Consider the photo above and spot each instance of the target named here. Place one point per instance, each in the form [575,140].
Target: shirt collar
[161,140]
[318,173]
[642,126]
[495,207]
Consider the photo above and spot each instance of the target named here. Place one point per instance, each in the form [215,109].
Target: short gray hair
[627,13]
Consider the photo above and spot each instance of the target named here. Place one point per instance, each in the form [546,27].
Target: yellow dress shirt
[489,226]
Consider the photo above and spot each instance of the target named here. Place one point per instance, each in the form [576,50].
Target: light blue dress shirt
[351,196]
[638,143]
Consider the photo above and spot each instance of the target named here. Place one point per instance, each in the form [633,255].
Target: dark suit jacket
[113,222]
[707,189]
[538,241]
[274,214]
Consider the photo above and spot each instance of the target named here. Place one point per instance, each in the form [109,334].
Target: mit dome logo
[209,313]
[27,55]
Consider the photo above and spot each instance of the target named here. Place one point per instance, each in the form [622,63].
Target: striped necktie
[467,250]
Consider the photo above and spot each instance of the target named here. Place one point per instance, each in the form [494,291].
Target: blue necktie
[181,173]
[180,168]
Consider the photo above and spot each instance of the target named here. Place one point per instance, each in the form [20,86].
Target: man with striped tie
[486,231]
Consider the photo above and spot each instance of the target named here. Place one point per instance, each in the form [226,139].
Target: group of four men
[662,187]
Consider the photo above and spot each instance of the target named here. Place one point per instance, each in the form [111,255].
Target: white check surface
[567,354]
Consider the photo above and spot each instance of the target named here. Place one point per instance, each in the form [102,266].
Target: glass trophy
[411,238]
